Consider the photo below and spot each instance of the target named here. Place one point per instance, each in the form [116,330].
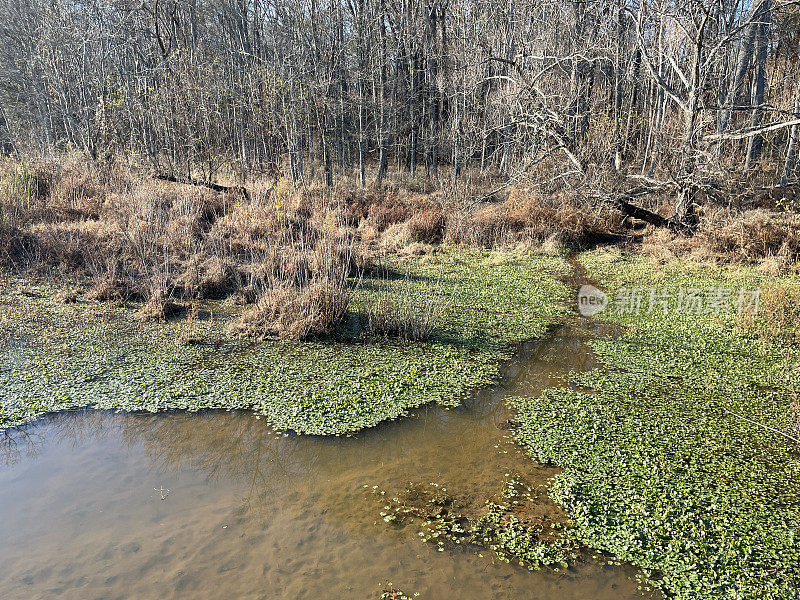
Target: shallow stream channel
[215,504]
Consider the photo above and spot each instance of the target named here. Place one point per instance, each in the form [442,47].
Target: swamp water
[215,505]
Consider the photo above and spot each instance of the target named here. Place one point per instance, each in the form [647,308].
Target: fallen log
[211,186]
[622,203]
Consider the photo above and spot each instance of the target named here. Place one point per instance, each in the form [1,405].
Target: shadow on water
[215,505]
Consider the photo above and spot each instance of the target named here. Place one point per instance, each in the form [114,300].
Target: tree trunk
[433,91]
[794,140]
[759,84]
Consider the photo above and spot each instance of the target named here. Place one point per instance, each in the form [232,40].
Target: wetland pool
[96,504]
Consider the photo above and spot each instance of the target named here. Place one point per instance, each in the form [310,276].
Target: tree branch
[741,135]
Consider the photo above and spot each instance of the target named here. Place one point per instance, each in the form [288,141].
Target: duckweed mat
[667,460]
[58,356]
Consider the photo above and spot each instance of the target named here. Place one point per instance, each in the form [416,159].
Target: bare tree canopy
[673,90]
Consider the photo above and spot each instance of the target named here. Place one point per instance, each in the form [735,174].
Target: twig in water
[778,431]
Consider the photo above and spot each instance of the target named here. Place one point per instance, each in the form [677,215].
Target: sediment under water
[215,505]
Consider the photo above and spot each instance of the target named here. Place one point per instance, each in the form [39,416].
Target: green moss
[60,356]
[656,467]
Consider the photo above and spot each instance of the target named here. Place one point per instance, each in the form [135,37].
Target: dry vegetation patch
[755,235]
[290,250]
[296,313]
[400,311]
[778,316]
[527,216]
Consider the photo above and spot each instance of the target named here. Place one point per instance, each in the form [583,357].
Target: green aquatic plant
[672,454]
[506,526]
[395,594]
[58,356]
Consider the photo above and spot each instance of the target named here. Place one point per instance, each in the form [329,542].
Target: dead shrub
[384,215]
[159,307]
[356,203]
[427,226]
[291,312]
[378,207]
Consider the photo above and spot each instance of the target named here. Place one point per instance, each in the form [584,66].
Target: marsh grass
[402,310]
[778,317]
[285,250]
[528,216]
[729,235]
[158,243]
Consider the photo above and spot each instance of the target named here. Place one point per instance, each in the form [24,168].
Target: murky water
[215,505]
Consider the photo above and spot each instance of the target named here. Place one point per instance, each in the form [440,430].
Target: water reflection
[16,444]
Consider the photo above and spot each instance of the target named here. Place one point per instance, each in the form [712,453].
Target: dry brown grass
[754,236]
[778,316]
[208,277]
[159,307]
[304,288]
[527,217]
[16,248]
[140,238]
[427,226]
[401,313]
[109,289]
[289,251]
[388,318]
[793,417]
[290,312]
[377,206]
[67,296]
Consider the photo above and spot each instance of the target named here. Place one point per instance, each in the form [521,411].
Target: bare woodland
[696,92]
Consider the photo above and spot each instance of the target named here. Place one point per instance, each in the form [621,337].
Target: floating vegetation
[672,456]
[56,356]
[394,594]
[510,525]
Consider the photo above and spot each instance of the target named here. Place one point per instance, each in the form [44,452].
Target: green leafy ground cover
[55,356]
[655,469]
